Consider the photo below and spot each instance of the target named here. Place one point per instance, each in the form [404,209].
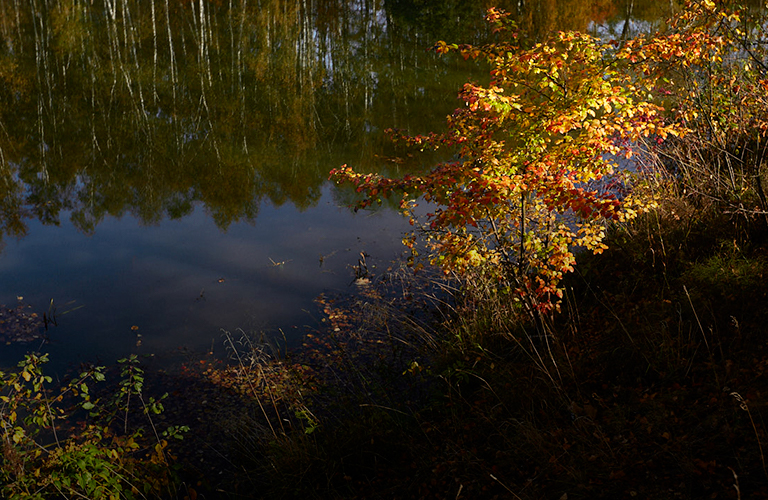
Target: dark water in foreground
[163,164]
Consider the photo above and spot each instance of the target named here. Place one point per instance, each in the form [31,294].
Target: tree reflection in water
[161,109]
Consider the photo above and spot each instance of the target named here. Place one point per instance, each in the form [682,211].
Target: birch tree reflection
[150,108]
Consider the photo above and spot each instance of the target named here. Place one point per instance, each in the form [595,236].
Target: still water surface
[163,163]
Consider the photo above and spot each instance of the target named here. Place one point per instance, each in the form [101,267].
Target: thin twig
[505,486]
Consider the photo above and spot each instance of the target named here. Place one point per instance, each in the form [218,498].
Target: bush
[47,455]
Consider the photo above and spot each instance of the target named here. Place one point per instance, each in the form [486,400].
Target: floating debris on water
[20,324]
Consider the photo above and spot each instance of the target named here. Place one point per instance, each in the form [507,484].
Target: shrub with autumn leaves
[535,148]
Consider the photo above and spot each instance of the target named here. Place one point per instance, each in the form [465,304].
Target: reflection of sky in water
[165,279]
[273,126]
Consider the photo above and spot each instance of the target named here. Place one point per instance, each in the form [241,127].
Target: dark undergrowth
[648,384]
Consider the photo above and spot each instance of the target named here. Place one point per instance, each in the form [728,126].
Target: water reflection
[124,106]
[228,110]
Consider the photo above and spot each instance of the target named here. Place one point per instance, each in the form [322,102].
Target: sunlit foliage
[522,194]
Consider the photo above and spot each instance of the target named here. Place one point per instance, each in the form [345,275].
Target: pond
[164,164]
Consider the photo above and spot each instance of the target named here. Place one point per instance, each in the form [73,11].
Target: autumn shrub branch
[535,148]
[532,150]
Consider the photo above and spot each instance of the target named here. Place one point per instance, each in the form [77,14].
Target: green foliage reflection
[110,108]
